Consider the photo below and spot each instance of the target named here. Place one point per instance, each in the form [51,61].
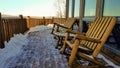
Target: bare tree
[60,8]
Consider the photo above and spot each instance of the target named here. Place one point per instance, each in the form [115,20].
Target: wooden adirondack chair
[59,31]
[92,42]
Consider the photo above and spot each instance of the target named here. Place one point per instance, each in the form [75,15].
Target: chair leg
[63,48]
[61,41]
[74,52]
[56,46]
[53,29]
[57,42]
[64,44]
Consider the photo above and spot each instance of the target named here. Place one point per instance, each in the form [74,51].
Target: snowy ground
[20,46]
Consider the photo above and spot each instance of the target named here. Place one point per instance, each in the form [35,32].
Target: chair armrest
[61,26]
[74,32]
[58,25]
[82,37]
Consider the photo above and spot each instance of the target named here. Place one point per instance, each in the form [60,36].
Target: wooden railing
[10,26]
[31,22]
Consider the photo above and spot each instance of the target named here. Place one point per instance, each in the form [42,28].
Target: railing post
[44,23]
[28,21]
[23,24]
[1,40]
[0,32]
[52,20]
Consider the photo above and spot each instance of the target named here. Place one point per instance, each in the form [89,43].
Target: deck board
[40,52]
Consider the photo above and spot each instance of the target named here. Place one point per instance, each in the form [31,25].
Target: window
[90,7]
[77,8]
[70,8]
[111,8]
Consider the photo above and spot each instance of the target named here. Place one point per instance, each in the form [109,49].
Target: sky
[47,7]
[28,7]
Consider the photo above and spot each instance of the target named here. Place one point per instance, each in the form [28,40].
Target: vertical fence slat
[1,43]
[28,21]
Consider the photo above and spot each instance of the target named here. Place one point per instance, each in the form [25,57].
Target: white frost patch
[108,61]
[50,25]
[12,48]
[39,28]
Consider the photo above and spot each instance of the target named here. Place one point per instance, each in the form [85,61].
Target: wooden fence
[10,26]
[31,22]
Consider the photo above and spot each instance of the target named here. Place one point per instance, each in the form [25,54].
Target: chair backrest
[69,22]
[100,29]
[59,20]
[62,28]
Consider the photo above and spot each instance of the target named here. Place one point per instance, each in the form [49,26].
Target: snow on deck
[35,49]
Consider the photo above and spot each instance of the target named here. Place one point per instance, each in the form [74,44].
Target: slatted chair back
[64,26]
[100,29]
[69,23]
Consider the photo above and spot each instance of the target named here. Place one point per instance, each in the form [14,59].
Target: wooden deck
[39,53]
